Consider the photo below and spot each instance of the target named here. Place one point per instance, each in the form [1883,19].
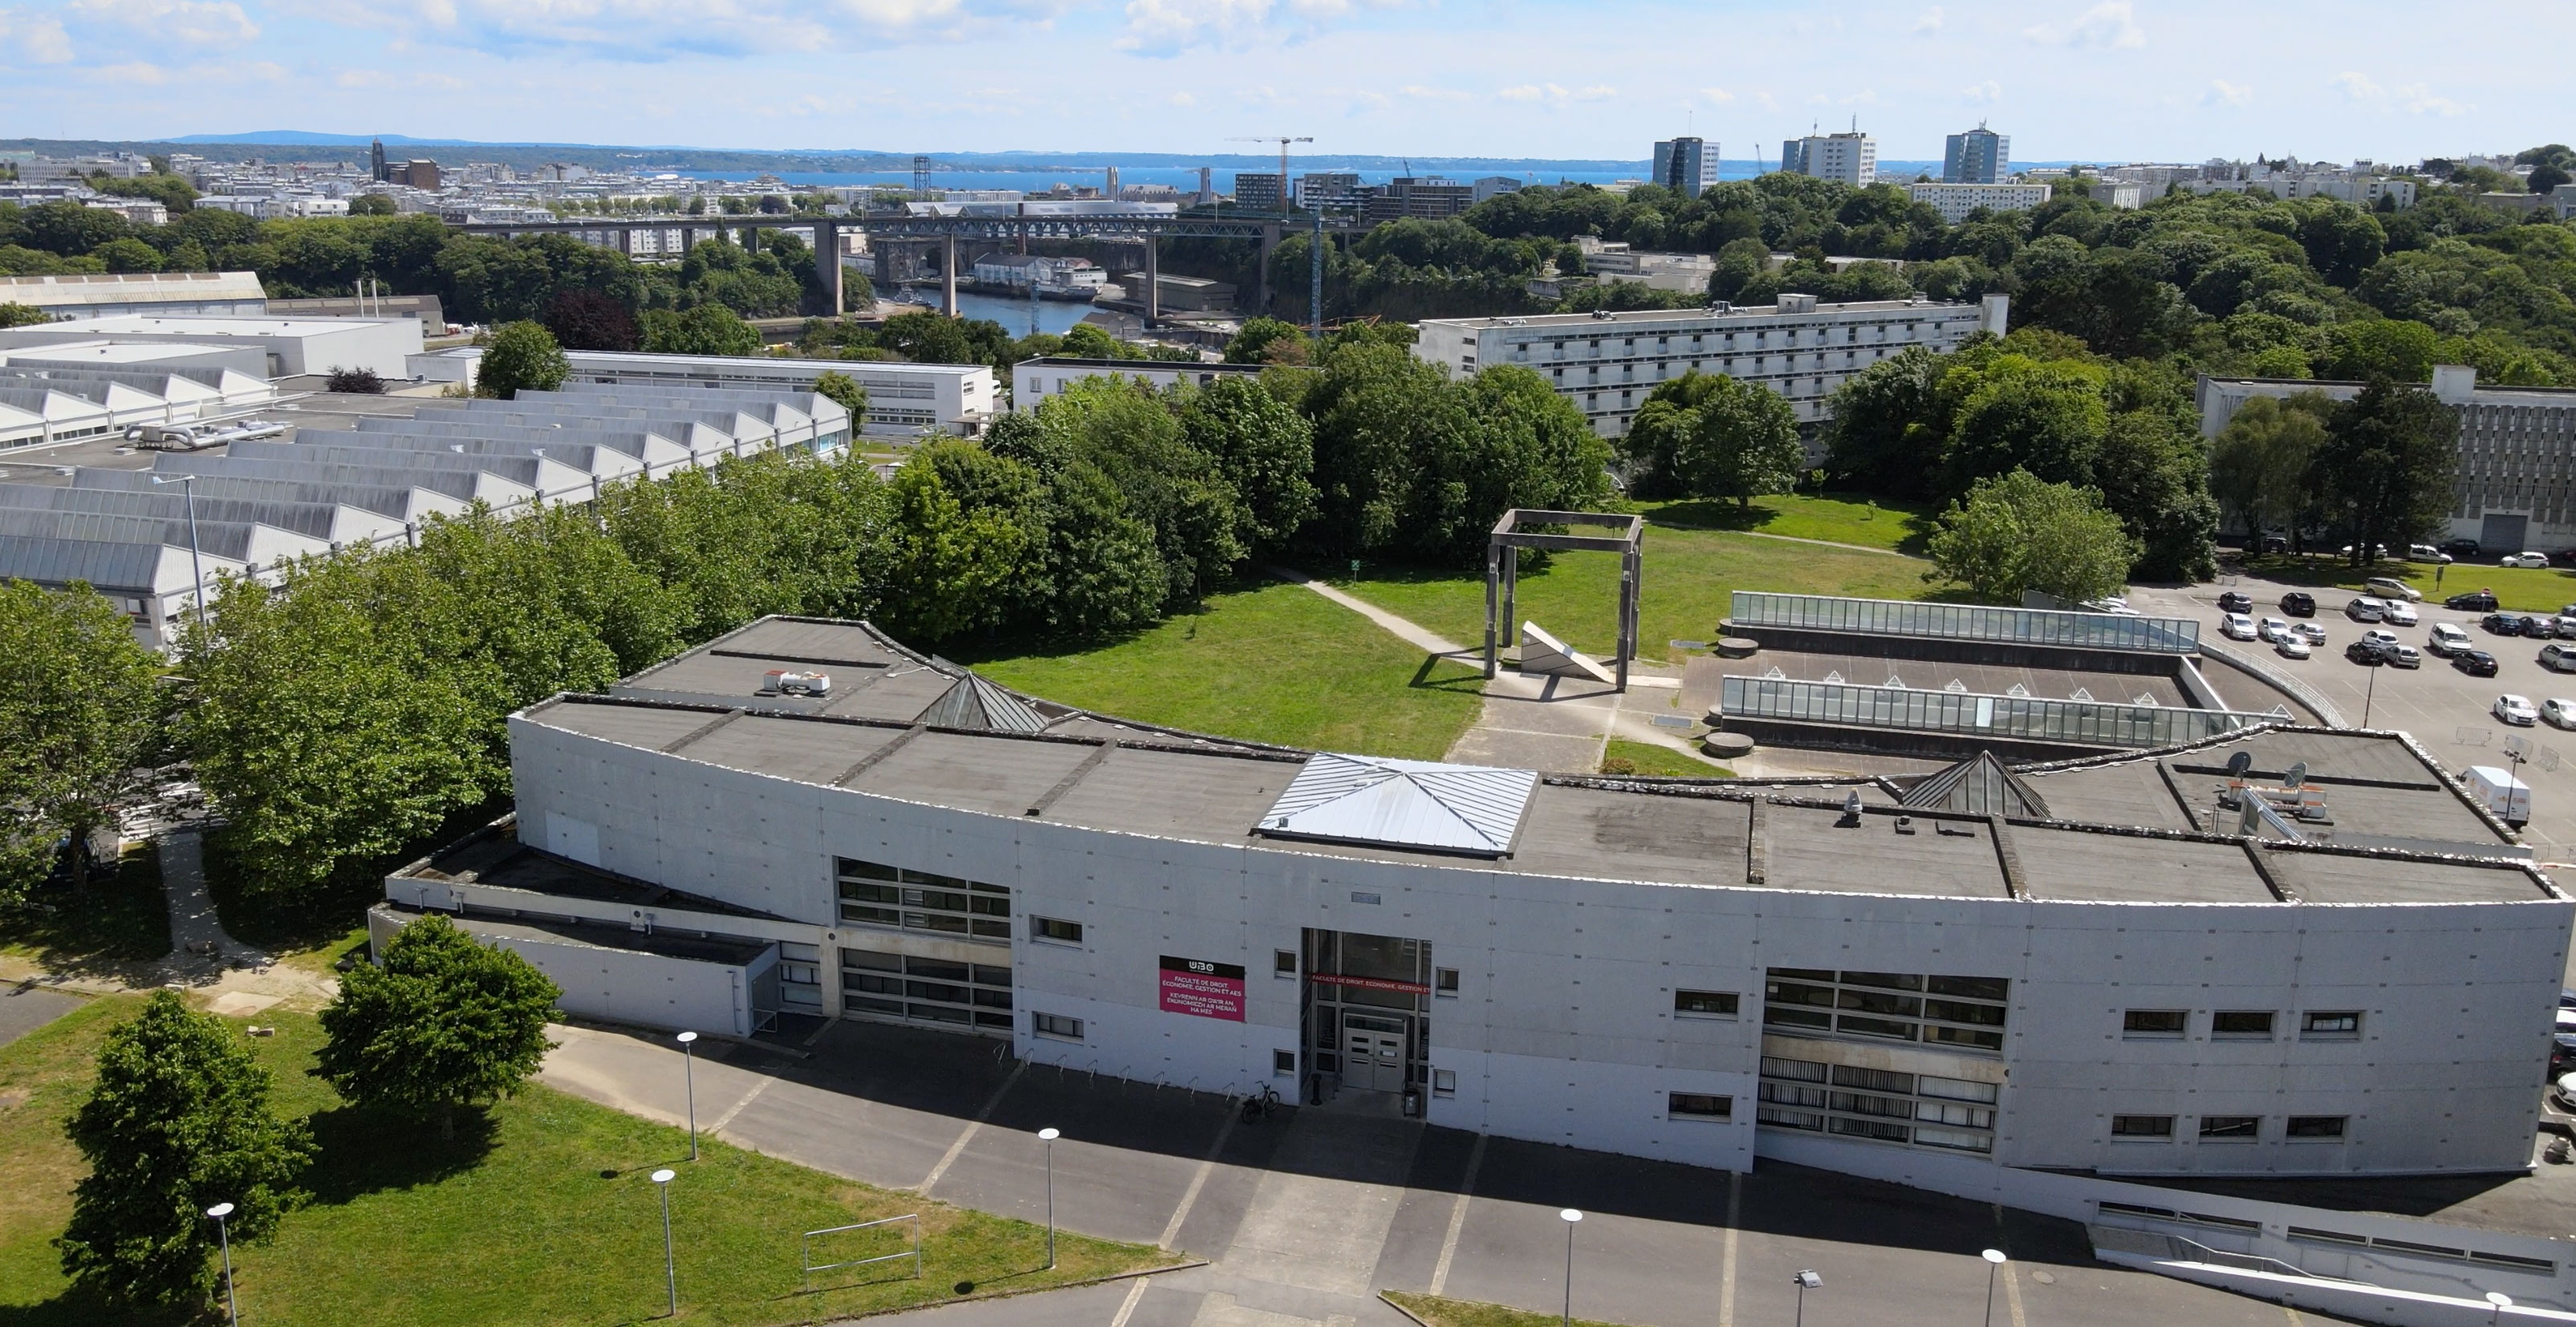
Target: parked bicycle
[1260,1103]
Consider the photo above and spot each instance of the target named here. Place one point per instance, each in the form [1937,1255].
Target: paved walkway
[1303,1219]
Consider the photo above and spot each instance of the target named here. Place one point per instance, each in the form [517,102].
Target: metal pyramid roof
[1466,809]
[976,703]
[1978,785]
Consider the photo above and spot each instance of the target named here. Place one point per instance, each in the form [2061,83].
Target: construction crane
[1283,140]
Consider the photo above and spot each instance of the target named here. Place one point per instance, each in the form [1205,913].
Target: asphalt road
[23,1009]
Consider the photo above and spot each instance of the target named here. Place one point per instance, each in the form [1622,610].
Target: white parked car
[2291,647]
[2380,637]
[2447,639]
[2559,711]
[2366,609]
[2392,589]
[2272,628]
[2236,626]
[2524,559]
[2516,710]
[2309,632]
[2398,613]
[2425,553]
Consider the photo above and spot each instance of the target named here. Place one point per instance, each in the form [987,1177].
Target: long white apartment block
[904,400]
[1608,363]
[1955,201]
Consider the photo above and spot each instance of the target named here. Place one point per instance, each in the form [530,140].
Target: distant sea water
[1186,179]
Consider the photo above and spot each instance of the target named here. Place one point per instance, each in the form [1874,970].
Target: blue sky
[2086,79]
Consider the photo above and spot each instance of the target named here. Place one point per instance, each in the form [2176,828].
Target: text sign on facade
[1202,989]
[1373,983]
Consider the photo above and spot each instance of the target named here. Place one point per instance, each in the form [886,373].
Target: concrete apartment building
[2055,967]
[1979,156]
[1428,198]
[1849,157]
[1259,191]
[1687,166]
[1955,201]
[904,400]
[1036,381]
[2516,484]
[1607,363]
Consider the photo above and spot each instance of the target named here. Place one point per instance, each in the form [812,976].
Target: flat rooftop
[1982,679]
[1749,313]
[886,728]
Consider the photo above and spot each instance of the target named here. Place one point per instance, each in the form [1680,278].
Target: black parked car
[2474,601]
[2539,627]
[2475,663]
[2236,601]
[2501,624]
[2299,603]
[2365,651]
[2460,548]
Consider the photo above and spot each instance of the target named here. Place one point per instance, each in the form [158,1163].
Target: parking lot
[2443,708]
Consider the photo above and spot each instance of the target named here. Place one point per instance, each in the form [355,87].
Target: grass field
[544,1216]
[1688,575]
[1440,1311]
[1873,522]
[2522,589]
[1270,663]
[1661,761]
[122,920]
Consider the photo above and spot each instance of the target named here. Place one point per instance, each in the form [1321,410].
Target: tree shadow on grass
[75,1308]
[371,1151]
[1726,514]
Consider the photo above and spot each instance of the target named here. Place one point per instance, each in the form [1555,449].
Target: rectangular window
[874,894]
[1057,1026]
[2330,1025]
[1698,1106]
[1283,1063]
[1877,1103]
[2145,1023]
[1704,1004]
[2156,1128]
[2230,1128]
[2314,1126]
[926,990]
[1283,962]
[1444,1082]
[2241,1024]
[1444,981]
[1949,1011]
[1060,932]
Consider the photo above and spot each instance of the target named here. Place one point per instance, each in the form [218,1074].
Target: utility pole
[1283,140]
[1315,278]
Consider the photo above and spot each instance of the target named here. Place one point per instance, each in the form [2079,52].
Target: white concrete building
[1687,166]
[904,400]
[1955,201]
[1607,363]
[2057,968]
[99,295]
[1033,381]
[292,347]
[1055,278]
[1849,157]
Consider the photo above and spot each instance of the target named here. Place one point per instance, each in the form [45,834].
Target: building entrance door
[1373,1053]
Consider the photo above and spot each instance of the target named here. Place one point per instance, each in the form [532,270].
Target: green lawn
[122,919]
[1655,761]
[1688,575]
[1271,663]
[1835,518]
[1441,1311]
[2528,590]
[545,1217]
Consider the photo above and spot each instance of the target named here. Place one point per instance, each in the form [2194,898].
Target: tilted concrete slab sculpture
[1543,653]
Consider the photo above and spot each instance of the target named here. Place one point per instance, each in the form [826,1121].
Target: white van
[2504,796]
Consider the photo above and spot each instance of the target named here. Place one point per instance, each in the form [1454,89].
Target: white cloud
[191,22]
[1420,93]
[1555,97]
[1930,24]
[378,78]
[138,73]
[2110,24]
[2357,86]
[1718,96]
[662,29]
[1984,94]
[2421,100]
[33,39]
[1168,27]
[2223,93]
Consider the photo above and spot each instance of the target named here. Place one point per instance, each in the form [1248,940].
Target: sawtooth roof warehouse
[2056,966]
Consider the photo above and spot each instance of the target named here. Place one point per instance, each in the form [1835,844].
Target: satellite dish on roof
[2238,763]
[2298,774]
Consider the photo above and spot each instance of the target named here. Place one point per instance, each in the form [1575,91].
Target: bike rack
[806,1255]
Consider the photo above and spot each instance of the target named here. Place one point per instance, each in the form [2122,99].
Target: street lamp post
[1806,1281]
[1570,1217]
[670,1268]
[196,565]
[232,1307]
[1048,1137]
[2501,1301]
[689,1071]
[1994,1263]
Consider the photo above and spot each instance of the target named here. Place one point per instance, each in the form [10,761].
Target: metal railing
[2013,626]
[2088,722]
[811,1267]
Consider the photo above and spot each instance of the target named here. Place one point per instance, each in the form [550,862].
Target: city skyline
[2110,80]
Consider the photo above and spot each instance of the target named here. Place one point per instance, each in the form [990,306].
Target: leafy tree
[2046,418]
[2015,532]
[583,319]
[2546,177]
[78,713]
[1702,435]
[846,390]
[22,315]
[708,329]
[372,205]
[1885,434]
[1088,341]
[2259,467]
[1523,445]
[128,255]
[1263,448]
[1267,341]
[440,1022]
[966,537]
[522,357]
[1377,410]
[178,1122]
[1135,438]
[354,382]
[2387,466]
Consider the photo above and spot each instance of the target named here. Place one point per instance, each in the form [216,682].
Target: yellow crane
[1283,140]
